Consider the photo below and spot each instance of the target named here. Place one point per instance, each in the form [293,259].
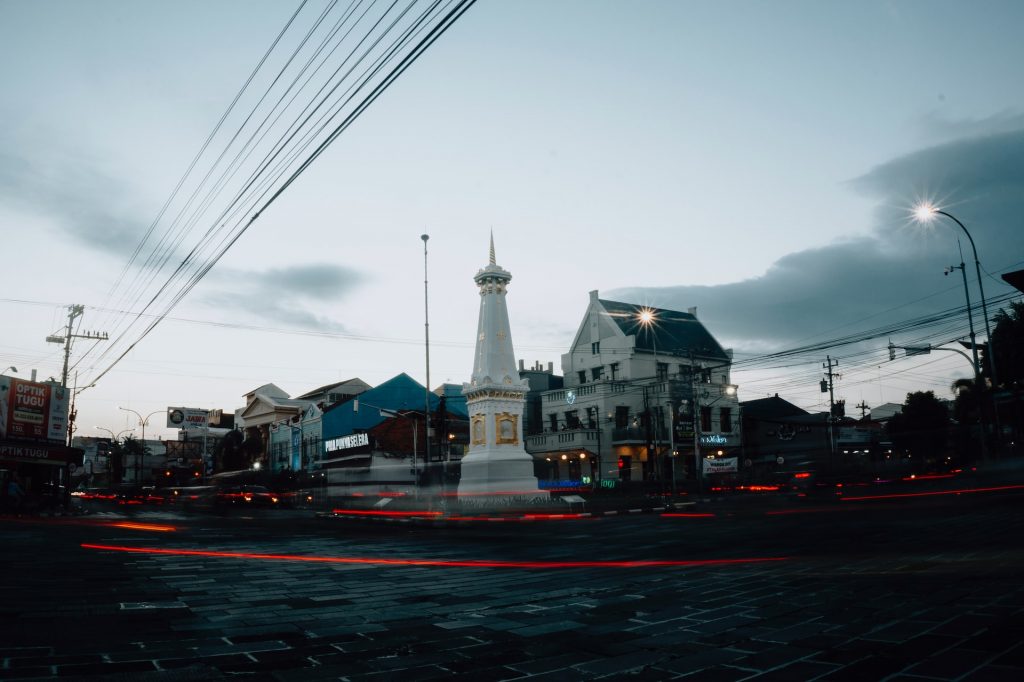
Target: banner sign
[187,418]
[725,465]
[43,453]
[31,410]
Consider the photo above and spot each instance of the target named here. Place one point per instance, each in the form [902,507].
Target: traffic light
[892,352]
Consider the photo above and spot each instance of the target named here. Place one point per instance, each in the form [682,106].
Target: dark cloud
[892,274]
[275,311]
[96,210]
[322,282]
[86,205]
[939,128]
[284,295]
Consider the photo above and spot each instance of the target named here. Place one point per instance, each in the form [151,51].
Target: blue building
[375,438]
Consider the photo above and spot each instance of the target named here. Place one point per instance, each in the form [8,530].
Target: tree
[228,455]
[1008,344]
[968,411]
[115,463]
[131,454]
[921,429]
[1008,347]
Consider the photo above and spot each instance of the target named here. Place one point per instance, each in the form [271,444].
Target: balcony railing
[572,439]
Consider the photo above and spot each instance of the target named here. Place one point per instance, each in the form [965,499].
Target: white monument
[497,462]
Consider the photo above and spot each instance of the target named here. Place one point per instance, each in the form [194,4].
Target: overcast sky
[757,160]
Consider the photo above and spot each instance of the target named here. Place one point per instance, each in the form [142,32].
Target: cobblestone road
[924,589]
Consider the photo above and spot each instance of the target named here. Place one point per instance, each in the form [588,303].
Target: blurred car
[295,499]
[254,495]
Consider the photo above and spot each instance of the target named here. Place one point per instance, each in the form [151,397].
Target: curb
[411,517]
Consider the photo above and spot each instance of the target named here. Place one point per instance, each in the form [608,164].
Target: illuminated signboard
[719,439]
[347,442]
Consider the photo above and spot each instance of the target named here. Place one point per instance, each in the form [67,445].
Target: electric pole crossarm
[74,312]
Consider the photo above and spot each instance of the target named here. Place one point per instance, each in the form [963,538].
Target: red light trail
[378,512]
[688,515]
[440,563]
[932,493]
[91,522]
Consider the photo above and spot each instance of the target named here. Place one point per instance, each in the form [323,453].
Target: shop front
[35,463]
[40,473]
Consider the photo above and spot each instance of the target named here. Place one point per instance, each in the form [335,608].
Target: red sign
[32,411]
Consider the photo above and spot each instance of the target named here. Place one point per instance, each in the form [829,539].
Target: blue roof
[400,394]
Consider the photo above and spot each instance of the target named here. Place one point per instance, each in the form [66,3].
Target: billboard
[187,418]
[728,465]
[31,410]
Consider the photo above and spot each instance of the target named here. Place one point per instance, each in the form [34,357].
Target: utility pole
[695,404]
[74,312]
[831,407]
[863,407]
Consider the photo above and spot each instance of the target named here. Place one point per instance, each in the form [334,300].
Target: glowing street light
[925,213]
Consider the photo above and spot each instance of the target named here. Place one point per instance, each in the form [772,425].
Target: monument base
[491,474]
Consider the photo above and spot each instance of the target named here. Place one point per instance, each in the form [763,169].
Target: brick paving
[926,590]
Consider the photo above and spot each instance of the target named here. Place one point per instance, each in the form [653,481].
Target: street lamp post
[924,213]
[12,368]
[388,413]
[143,422]
[426,347]
[115,439]
[970,321]
[647,319]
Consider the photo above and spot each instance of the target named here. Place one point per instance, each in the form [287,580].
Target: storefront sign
[347,442]
[32,410]
[719,440]
[41,453]
[724,465]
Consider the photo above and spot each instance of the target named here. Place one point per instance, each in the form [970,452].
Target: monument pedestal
[495,474]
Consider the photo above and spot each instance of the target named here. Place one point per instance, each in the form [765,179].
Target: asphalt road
[918,588]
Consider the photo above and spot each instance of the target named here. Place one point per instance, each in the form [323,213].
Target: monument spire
[495,397]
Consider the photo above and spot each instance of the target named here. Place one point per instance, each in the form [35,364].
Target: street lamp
[647,318]
[12,368]
[113,437]
[426,347]
[388,414]
[925,213]
[143,422]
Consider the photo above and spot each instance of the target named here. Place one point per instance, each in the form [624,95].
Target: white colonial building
[636,380]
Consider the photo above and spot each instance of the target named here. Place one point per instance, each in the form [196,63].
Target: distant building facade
[645,389]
